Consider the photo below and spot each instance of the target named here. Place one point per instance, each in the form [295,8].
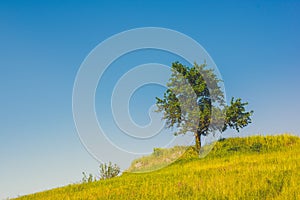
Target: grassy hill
[237,168]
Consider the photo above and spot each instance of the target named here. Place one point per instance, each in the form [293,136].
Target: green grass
[237,168]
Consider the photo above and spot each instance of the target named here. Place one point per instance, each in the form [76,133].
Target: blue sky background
[255,45]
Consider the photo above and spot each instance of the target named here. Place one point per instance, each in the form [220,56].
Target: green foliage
[272,173]
[87,179]
[236,116]
[187,103]
[106,170]
[194,102]
[109,170]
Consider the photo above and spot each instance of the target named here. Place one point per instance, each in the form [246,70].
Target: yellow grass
[240,168]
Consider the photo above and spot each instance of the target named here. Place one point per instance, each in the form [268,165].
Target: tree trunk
[198,141]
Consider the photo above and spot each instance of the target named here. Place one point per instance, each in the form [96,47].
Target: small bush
[87,179]
[109,170]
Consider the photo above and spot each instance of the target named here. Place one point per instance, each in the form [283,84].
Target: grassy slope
[240,168]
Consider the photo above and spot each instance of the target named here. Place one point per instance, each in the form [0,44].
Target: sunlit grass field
[256,167]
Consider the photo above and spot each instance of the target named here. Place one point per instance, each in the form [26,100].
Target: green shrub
[109,170]
[87,179]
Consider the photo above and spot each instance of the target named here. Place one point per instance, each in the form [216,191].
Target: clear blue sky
[255,44]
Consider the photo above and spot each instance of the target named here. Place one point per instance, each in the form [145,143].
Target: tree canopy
[194,102]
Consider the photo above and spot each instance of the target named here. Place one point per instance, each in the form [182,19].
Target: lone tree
[194,102]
